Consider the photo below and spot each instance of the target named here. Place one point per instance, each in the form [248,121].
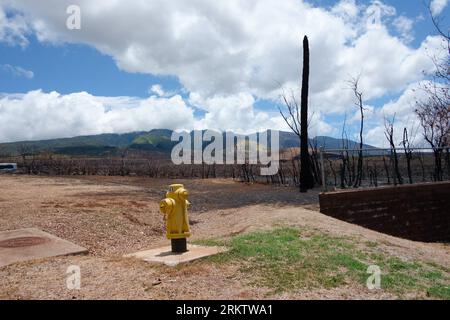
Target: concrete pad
[29,244]
[166,256]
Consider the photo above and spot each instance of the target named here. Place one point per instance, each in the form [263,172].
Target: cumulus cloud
[228,47]
[403,111]
[232,112]
[404,27]
[13,28]
[437,6]
[17,71]
[227,54]
[347,9]
[377,11]
[157,89]
[40,115]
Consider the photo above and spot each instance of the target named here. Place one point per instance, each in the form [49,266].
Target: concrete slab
[165,255]
[29,244]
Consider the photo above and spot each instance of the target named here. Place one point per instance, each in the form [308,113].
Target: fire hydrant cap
[182,193]
[166,205]
[176,186]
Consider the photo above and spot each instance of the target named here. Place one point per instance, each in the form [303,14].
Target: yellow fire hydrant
[175,210]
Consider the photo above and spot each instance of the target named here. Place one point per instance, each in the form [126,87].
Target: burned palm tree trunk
[306,178]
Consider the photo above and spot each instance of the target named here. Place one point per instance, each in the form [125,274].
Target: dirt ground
[113,216]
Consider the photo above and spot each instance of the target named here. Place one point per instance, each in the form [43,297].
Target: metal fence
[332,168]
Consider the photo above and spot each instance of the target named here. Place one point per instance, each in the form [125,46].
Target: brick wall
[418,212]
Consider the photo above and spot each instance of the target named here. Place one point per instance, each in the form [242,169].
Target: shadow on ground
[216,194]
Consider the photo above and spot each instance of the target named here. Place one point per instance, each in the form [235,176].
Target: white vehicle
[8,167]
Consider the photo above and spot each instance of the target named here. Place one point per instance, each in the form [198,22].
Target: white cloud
[157,89]
[53,115]
[17,71]
[228,47]
[319,127]
[13,29]
[229,53]
[376,12]
[39,115]
[232,112]
[403,110]
[404,27]
[437,6]
[347,9]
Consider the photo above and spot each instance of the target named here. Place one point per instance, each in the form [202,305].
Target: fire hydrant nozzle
[174,207]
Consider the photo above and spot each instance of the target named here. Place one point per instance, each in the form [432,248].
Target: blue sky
[71,68]
[67,62]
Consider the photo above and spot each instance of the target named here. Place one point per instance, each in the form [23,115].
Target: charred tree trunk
[447,162]
[437,164]
[306,178]
[386,169]
[408,154]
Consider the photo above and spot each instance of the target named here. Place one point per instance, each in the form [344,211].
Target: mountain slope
[157,140]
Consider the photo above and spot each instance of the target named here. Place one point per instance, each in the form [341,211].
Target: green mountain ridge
[157,140]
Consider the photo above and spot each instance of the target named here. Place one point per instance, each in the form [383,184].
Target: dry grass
[112,216]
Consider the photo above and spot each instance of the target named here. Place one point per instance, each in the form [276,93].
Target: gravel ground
[112,216]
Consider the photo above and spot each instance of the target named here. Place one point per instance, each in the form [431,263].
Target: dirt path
[112,216]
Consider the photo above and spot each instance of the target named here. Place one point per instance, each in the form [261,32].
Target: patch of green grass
[403,277]
[439,291]
[281,259]
[432,275]
[284,259]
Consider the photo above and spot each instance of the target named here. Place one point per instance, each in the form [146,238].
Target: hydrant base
[179,245]
[166,256]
